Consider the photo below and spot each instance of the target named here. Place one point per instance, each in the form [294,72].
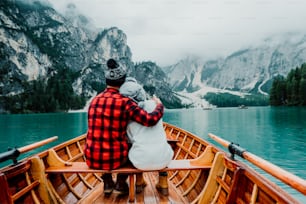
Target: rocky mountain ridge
[36,42]
[249,70]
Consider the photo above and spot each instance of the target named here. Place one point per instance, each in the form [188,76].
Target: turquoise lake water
[275,134]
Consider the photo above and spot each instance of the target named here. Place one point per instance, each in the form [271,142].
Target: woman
[150,149]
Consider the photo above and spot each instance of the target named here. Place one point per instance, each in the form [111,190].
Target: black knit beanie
[115,73]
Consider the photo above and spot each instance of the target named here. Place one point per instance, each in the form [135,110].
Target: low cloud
[165,30]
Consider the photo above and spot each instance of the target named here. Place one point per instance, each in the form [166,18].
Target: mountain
[155,82]
[58,60]
[247,71]
[38,45]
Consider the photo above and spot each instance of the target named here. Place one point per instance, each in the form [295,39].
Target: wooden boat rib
[227,181]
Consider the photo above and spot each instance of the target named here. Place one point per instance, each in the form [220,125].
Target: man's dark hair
[116,83]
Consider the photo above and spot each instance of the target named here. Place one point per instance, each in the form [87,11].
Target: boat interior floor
[149,195]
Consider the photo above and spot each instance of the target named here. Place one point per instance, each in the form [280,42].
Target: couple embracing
[124,127]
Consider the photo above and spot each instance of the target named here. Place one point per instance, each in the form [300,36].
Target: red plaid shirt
[108,115]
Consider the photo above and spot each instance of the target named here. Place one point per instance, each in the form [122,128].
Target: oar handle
[219,140]
[13,153]
[279,173]
[37,144]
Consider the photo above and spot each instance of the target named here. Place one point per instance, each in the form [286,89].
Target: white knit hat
[133,90]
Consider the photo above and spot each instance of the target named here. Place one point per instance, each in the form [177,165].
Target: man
[108,116]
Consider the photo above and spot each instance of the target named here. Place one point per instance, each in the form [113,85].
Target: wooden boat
[227,181]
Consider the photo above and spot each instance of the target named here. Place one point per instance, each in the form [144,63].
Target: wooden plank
[25,190]
[211,187]
[57,165]
[5,196]
[81,167]
[37,172]
[131,188]
[288,178]
[150,192]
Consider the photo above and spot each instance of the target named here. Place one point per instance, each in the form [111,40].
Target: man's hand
[157,100]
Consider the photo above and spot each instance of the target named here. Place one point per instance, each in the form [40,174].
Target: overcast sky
[164,31]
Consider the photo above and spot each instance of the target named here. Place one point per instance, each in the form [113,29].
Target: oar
[281,174]
[14,152]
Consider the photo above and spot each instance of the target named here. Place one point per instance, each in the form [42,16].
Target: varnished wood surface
[149,196]
[227,181]
[290,179]
[81,167]
[37,144]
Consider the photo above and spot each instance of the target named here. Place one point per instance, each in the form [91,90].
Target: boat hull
[228,181]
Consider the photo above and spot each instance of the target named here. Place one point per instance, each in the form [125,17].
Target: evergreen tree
[303,91]
[47,95]
[278,91]
[292,90]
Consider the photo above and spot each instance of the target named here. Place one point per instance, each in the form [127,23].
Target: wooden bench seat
[81,167]
[57,165]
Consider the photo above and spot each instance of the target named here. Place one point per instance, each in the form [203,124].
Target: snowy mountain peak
[247,70]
